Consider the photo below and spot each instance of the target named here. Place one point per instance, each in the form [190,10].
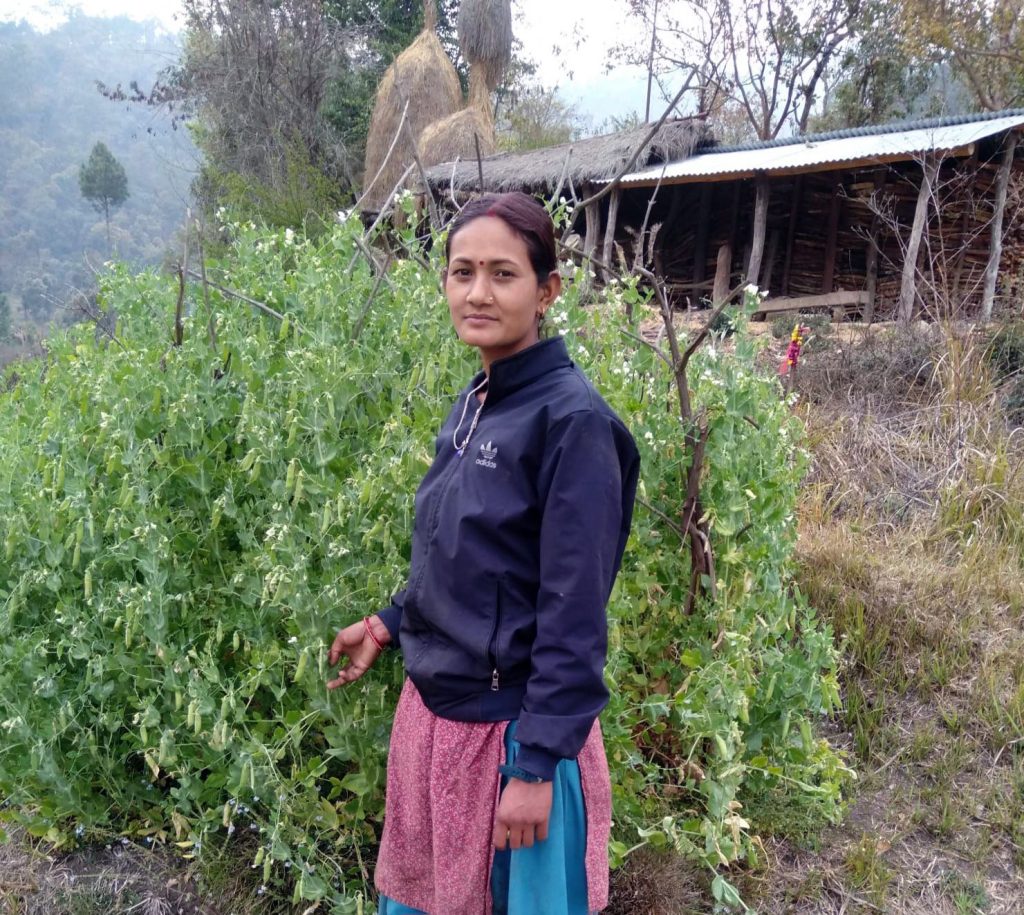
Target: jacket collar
[518,370]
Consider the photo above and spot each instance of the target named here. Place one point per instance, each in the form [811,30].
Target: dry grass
[98,880]
[428,82]
[452,137]
[485,36]
[912,546]
[655,883]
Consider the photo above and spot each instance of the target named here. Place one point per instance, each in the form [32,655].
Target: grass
[912,545]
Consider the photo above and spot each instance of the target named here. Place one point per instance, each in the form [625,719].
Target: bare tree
[765,59]
[982,40]
[255,75]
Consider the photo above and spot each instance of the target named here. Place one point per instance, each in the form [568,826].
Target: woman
[498,796]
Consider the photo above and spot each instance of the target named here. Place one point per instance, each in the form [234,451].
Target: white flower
[289,237]
[649,435]
[750,288]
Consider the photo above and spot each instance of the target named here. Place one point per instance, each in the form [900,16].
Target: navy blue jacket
[516,545]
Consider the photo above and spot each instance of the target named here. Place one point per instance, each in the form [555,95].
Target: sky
[569,40]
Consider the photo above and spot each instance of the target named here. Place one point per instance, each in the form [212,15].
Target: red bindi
[481,263]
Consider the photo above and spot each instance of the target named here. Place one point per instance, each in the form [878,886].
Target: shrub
[186,527]
[1006,357]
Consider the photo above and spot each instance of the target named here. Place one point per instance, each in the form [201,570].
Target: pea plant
[196,499]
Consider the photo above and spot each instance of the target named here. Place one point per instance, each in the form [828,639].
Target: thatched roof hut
[579,163]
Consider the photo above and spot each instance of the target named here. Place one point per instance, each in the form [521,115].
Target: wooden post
[593,215]
[723,266]
[908,287]
[794,211]
[723,274]
[995,251]
[874,241]
[700,246]
[831,235]
[759,228]
[609,235]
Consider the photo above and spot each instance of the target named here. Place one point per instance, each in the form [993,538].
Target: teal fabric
[550,877]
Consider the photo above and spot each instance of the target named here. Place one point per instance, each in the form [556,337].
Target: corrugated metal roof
[886,144]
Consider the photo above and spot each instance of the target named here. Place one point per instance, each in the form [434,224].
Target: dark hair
[523,215]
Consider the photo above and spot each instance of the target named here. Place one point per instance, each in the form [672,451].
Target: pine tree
[103,182]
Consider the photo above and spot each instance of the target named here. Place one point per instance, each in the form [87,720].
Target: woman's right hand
[355,643]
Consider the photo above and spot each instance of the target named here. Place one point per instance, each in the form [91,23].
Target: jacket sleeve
[586,485]
[391,617]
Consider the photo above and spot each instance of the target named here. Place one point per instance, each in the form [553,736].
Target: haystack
[429,83]
[485,36]
[452,137]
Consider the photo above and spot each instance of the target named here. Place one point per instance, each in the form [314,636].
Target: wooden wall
[820,226]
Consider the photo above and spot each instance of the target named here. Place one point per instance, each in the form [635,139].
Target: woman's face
[493,294]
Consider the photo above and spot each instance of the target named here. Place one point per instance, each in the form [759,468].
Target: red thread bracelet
[369,632]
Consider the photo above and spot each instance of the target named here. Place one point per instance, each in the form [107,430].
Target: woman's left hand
[523,813]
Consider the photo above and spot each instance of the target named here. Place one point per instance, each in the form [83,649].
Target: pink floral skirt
[443,786]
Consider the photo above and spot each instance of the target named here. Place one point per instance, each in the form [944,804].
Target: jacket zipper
[434,516]
[495,682]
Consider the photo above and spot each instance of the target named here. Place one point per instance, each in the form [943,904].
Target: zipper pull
[494,680]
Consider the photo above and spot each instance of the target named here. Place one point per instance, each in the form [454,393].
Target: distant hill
[51,114]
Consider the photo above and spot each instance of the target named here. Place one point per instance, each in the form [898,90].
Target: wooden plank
[843,298]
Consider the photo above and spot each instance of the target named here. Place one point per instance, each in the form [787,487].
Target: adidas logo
[488,453]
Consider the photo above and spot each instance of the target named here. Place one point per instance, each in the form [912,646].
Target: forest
[52,241]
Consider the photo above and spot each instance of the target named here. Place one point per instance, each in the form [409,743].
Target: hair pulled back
[523,215]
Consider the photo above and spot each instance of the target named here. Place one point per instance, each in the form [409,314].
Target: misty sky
[583,30]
